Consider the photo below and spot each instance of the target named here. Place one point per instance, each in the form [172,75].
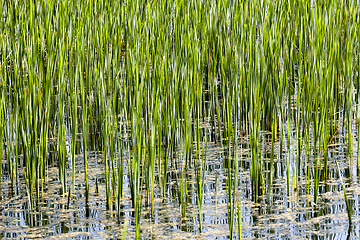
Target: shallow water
[282,216]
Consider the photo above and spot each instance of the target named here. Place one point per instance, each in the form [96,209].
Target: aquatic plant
[149,84]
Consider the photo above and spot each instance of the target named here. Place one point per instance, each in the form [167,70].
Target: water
[289,213]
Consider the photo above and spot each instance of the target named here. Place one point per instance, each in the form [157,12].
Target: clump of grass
[136,80]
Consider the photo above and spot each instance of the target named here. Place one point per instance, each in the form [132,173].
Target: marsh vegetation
[146,107]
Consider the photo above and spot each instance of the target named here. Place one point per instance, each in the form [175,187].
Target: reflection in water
[281,214]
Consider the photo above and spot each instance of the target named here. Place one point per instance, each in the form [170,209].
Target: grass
[137,80]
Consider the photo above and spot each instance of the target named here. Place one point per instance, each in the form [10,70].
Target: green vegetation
[137,80]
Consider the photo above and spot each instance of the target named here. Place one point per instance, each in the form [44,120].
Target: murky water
[288,212]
